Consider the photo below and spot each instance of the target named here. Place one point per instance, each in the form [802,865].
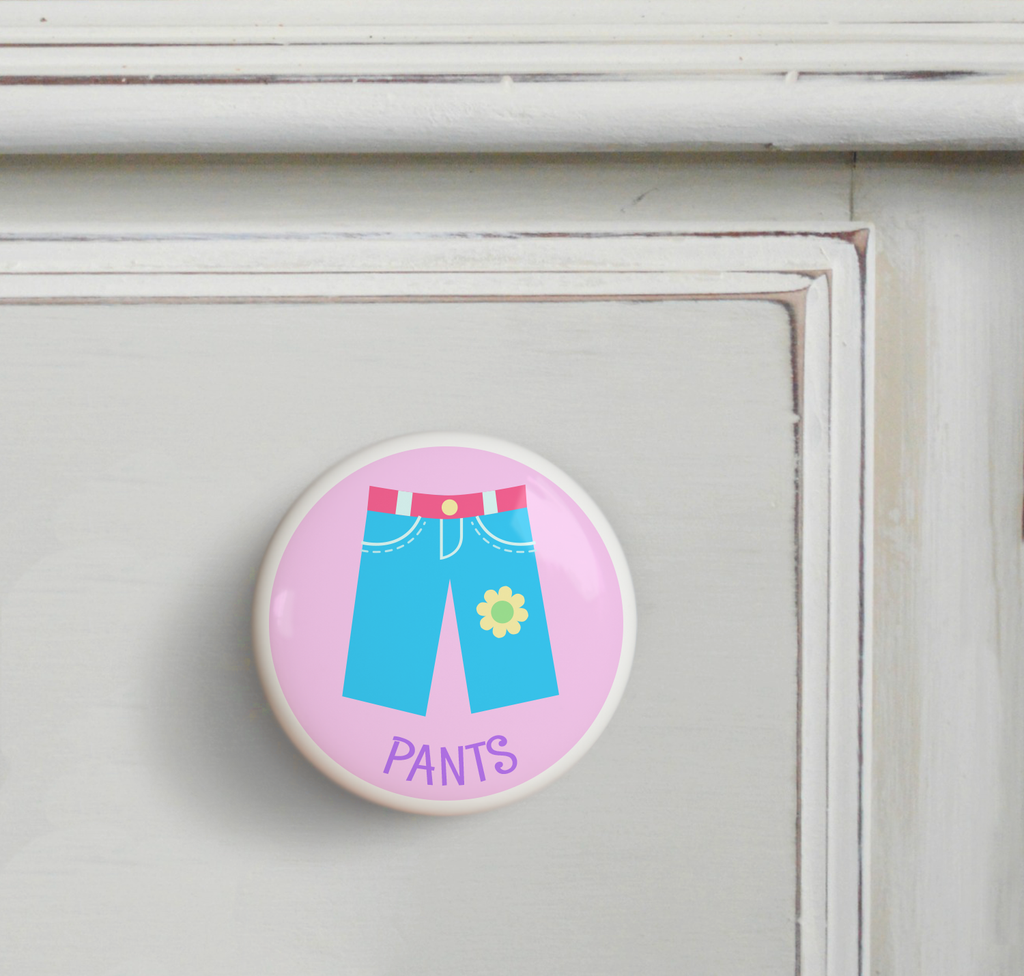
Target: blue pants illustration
[408,561]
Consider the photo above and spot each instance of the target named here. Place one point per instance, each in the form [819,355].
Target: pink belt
[394,502]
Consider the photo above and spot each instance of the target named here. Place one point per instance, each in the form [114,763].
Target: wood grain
[949,800]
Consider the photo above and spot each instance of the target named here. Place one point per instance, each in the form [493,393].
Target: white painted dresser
[185,191]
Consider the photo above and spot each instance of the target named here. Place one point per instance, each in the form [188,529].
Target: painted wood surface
[309,75]
[948,778]
[158,811]
[786,874]
[949,708]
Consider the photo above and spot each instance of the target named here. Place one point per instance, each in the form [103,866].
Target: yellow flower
[502,611]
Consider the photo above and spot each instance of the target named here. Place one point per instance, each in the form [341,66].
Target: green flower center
[502,612]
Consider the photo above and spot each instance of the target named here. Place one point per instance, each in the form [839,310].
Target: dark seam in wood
[797,311]
[849,236]
[449,78]
[861,242]
[343,271]
[781,297]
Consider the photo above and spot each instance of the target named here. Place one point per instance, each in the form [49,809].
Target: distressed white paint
[307,76]
[949,680]
[41,196]
[947,889]
[654,273]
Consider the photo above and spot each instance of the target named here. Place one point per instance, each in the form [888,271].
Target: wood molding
[315,76]
[822,275]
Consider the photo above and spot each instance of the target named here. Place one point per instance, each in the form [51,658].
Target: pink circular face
[444,623]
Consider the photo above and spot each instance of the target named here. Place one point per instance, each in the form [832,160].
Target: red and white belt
[393,502]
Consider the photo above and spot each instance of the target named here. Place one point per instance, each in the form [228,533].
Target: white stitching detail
[493,546]
[387,542]
[508,542]
[441,539]
[377,552]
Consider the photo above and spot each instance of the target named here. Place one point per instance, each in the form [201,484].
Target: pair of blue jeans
[407,565]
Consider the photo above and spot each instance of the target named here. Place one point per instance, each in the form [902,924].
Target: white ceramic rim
[261,623]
